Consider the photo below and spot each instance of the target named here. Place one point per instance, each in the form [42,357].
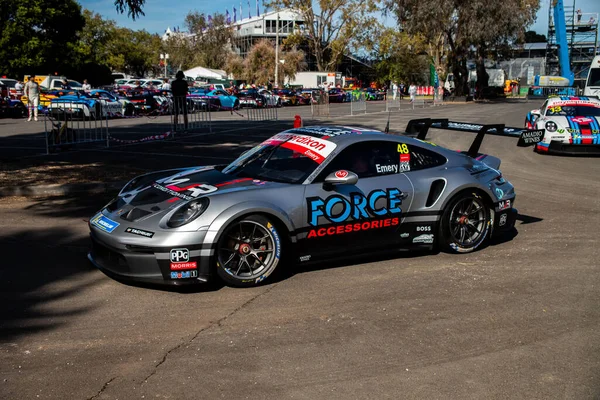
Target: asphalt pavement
[516,320]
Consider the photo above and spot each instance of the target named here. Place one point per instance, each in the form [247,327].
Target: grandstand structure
[582,37]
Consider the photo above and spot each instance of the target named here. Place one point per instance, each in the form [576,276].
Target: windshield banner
[316,149]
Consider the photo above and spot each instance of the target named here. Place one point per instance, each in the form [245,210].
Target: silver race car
[304,195]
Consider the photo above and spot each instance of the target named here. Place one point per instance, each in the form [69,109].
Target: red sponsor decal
[183,266]
[582,120]
[341,174]
[353,227]
[233,182]
[405,157]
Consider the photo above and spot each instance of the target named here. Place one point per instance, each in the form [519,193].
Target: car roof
[574,100]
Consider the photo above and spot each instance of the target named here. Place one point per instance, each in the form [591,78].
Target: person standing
[19,90]
[86,86]
[65,85]
[394,90]
[578,15]
[166,85]
[179,88]
[32,91]
[412,91]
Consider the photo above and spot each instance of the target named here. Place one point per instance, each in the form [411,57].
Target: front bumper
[147,264]
[558,147]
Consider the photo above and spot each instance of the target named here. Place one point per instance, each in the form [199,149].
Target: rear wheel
[248,251]
[465,223]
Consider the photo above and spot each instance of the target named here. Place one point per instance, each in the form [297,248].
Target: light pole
[165,57]
[277,52]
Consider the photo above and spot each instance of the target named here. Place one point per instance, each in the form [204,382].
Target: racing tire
[236,105]
[248,251]
[279,103]
[465,223]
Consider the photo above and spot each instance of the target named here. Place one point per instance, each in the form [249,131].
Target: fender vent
[437,187]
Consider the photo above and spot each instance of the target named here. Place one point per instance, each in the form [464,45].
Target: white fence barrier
[70,123]
[319,105]
[188,114]
[358,104]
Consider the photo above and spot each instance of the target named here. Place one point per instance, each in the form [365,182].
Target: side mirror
[341,177]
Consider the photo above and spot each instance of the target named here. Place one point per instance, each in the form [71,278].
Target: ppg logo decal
[180,255]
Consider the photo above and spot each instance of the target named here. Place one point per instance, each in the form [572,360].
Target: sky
[161,14]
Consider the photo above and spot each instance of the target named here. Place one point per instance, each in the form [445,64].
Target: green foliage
[451,27]
[534,37]
[210,42]
[399,56]
[331,28]
[37,36]
[133,7]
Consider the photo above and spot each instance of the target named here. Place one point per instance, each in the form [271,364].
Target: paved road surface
[518,319]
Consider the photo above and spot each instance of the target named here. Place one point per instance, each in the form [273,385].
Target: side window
[366,159]
[421,158]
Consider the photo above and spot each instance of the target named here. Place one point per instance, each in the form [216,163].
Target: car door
[362,215]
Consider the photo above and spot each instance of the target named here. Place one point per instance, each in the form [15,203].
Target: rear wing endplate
[527,137]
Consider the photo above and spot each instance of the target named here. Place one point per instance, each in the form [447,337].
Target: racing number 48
[402,148]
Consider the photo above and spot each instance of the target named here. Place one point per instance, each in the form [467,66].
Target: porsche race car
[571,125]
[304,195]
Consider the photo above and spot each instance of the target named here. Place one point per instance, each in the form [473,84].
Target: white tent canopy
[205,73]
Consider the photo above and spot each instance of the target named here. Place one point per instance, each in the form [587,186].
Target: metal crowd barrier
[70,123]
[392,100]
[358,103]
[438,96]
[319,105]
[267,113]
[418,101]
[190,114]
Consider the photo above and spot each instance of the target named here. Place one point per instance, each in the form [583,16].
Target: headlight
[551,126]
[188,212]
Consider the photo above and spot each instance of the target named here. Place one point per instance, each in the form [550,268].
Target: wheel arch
[241,210]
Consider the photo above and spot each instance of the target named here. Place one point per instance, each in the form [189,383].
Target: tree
[452,27]
[210,39]
[235,66]
[330,30]
[398,56]
[37,36]
[534,37]
[133,7]
[135,52]
[95,38]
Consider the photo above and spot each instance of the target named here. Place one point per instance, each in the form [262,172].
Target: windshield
[594,77]
[574,111]
[287,157]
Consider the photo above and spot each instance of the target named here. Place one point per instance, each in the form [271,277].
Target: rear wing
[527,137]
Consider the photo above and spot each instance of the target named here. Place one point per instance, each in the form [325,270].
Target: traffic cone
[298,121]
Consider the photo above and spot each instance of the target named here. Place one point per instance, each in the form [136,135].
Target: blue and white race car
[96,104]
[571,125]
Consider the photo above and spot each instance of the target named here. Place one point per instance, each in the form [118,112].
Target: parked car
[288,97]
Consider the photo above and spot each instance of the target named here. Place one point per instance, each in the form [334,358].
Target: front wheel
[465,223]
[248,251]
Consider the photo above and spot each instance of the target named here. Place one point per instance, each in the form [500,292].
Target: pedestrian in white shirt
[86,86]
[166,85]
[394,89]
[412,91]
[32,91]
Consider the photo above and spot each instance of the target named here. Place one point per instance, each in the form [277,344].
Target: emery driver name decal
[338,209]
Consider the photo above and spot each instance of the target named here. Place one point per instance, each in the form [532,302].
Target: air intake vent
[437,187]
[135,214]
